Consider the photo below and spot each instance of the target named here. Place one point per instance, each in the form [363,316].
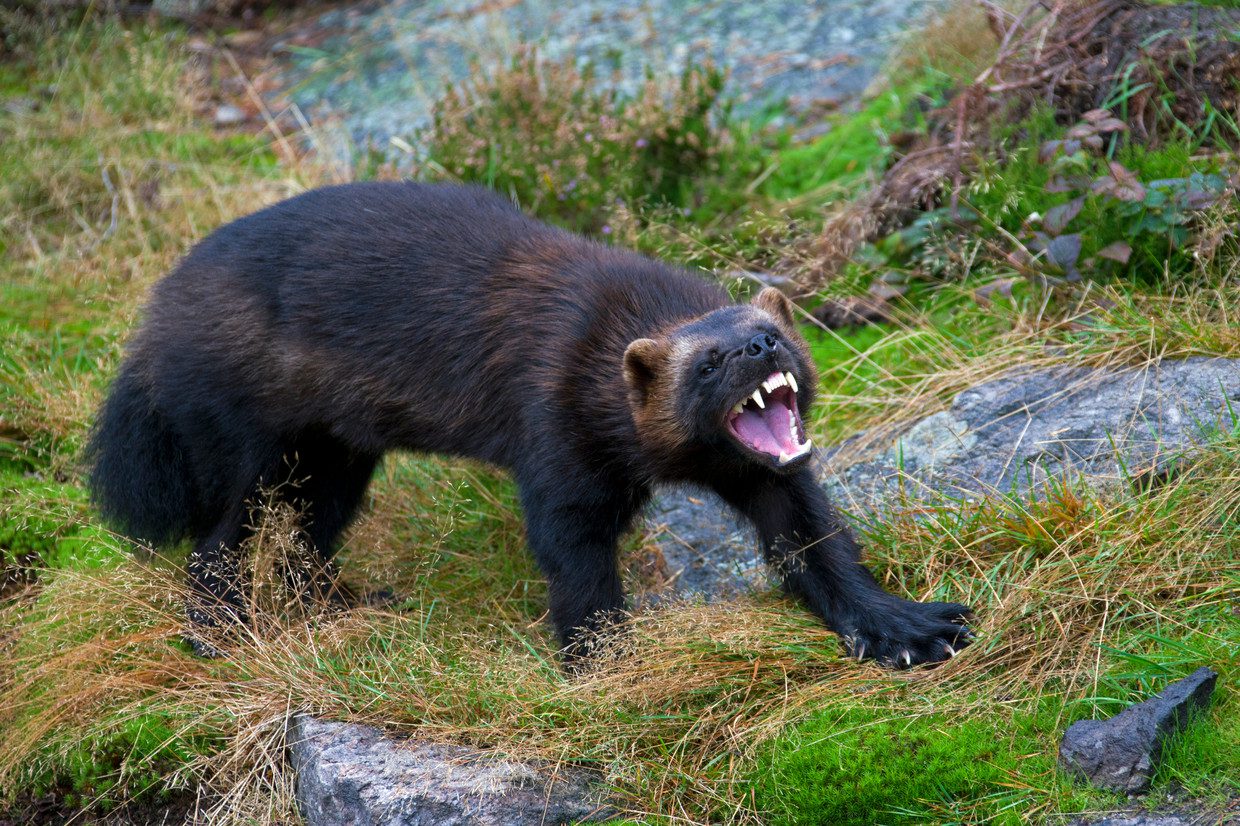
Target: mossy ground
[739,713]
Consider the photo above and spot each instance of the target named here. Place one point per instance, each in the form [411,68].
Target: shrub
[564,149]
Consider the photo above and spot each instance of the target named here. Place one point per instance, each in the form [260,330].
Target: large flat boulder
[356,775]
[1012,435]
[1018,432]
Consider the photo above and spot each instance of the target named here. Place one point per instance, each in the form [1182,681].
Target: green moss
[867,766]
[123,758]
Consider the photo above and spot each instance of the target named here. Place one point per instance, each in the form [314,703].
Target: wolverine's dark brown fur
[303,342]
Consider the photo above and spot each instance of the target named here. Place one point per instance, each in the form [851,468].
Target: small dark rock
[856,311]
[812,132]
[853,311]
[1122,753]
[353,774]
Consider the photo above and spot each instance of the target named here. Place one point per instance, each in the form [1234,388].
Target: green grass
[738,713]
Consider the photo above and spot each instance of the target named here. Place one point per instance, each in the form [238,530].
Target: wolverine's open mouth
[767,421]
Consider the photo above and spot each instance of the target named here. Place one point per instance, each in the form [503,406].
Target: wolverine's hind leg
[219,597]
[217,584]
[327,483]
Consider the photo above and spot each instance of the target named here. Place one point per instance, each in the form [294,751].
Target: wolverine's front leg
[819,562]
[572,532]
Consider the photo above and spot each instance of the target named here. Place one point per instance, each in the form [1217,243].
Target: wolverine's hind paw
[201,647]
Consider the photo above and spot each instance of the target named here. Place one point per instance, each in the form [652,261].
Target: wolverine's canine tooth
[792,382]
[757,397]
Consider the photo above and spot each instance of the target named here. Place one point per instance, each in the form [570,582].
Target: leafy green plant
[1154,213]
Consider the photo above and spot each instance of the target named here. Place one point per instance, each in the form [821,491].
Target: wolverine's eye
[710,365]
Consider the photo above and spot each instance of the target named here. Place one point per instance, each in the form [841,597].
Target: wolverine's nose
[761,346]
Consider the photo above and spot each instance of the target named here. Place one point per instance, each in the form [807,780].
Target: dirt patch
[60,808]
[1118,54]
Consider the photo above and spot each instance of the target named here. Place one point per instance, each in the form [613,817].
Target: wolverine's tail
[140,477]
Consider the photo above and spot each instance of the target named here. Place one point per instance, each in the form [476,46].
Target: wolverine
[292,348]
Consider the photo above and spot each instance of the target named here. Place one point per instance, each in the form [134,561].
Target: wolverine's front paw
[901,634]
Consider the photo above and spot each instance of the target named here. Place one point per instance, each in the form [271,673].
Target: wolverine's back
[430,317]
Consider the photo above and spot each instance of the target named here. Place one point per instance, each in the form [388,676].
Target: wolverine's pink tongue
[769,430]
[773,429]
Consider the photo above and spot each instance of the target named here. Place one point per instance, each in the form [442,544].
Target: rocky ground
[375,71]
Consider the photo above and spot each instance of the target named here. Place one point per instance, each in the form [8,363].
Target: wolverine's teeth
[766,385]
[802,449]
[739,407]
[792,382]
[757,397]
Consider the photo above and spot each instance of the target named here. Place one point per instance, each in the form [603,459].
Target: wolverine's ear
[777,304]
[643,359]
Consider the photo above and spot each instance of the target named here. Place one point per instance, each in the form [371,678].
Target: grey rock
[1011,435]
[358,775]
[1122,753]
[20,106]
[707,552]
[181,9]
[785,284]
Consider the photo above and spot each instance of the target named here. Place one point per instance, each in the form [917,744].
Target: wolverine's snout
[762,345]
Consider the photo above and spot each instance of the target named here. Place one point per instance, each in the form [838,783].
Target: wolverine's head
[733,382]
